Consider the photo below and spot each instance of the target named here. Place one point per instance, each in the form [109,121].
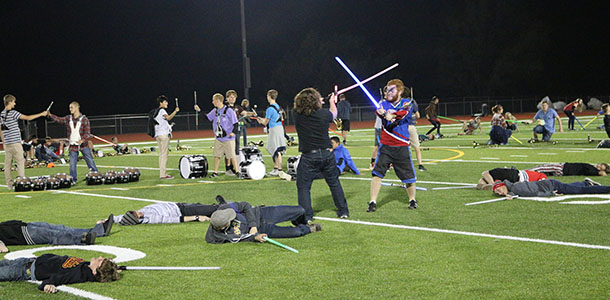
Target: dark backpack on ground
[604,144]
[152,122]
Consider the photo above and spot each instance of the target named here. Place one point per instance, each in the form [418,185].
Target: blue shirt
[273,115]
[549,119]
[343,159]
[398,135]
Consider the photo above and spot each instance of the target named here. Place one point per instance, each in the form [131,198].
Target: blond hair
[8,98]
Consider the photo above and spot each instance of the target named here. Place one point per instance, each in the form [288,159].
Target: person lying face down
[546,188]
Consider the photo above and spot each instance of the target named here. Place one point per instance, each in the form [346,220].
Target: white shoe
[230,173]
[275,172]
[285,176]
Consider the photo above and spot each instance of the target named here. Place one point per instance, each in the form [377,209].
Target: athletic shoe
[230,173]
[344,142]
[221,200]
[314,227]
[285,175]
[274,172]
[591,182]
[344,217]
[422,168]
[167,177]
[413,204]
[214,174]
[88,238]
[108,225]
[372,207]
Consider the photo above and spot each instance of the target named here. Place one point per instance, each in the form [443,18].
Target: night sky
[115,57]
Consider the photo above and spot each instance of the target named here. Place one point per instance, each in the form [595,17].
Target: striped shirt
[10,118]
[158,213]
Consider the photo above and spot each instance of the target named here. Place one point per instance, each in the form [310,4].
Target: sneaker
[413,204]
[344,142]
[344,217]
[88,238]
[422,168]
[108,225]
[591,182]
[314,227]
[230,173]
[221,200]
[275,172]
[214,174]
[285,176]
[167,177]
[372,207]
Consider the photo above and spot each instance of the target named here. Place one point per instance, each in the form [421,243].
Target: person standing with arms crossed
[163,133]
[79,134]
[311,123]
[395,113]
[11,137]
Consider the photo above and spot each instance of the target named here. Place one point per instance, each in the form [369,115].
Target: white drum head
[185,167]
[256,170]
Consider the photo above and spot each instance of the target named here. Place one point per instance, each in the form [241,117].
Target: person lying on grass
[239,221]
[511,174]
[17,232]
[572,169]
[54,270]
[546,188]
[169,212]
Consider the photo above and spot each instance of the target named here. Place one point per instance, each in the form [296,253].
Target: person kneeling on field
[54,270]
[511,174]
[343,159]
[239,221]
[546,188]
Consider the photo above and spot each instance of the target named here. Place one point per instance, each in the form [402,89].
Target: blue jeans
[579,188]
[14,270]
[546,134]
[242,132]
[310,166]
[272,215]
[45,233]
[88,159]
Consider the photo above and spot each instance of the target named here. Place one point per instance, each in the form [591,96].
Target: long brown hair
[307,101]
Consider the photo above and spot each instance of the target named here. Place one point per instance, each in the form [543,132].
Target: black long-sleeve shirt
[607,124]
[247,217]
[57,270]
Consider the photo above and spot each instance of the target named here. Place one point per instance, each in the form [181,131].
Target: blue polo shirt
[273,115]
[548,117]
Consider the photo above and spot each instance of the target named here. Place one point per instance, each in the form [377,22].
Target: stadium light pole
[244,52]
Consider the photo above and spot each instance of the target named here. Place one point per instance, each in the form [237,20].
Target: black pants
[196,209]
[436,125]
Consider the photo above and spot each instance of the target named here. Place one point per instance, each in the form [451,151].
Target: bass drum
[293,163]
[250,153]
[193,166]
[254,169]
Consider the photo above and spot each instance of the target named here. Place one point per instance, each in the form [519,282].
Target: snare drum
[134,174]
[65,180]
[293,163]
[53,183]
[39,184]
[94,178]
[250,153]
[122,177]
[22,184]
[110,177]
[193,166]
[253,169]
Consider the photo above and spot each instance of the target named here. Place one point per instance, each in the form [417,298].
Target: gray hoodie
[542,188]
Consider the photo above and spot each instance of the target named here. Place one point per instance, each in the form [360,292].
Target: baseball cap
[498,184]
[221,218]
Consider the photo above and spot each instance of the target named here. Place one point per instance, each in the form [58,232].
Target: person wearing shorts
[377,138]
[413,130]
[344,109]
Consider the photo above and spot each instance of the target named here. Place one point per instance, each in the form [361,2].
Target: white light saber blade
[49,108]
[128,268]
[373,100]
[341,91]
[490,201]
[197,114]
[176,102]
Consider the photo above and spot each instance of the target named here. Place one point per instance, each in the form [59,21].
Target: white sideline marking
[121,255]
[112,197]
[119,189]
[455,187]
[586,202]
[494,158]
[576,151]
[397,180]
[23,196]
[556,199]
[502,237]
[547,153]
[518,156]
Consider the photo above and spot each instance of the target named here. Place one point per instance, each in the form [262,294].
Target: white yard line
[23,196]
[502,237]
[398,180]
[547,153]
[518,155]
[491,158]
[455,187]
[111,197]
[119,189]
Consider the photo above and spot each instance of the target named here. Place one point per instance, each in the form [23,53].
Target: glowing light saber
[583,128]
[451,119]
[591,121]
[103,140]
[49,108]
[341,91]
[176,102]
[281,245]
[516,139]
[127,268]
[357,81]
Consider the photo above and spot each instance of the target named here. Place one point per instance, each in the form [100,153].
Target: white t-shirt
[163,127]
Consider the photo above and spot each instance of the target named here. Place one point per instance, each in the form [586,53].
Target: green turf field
[435,255]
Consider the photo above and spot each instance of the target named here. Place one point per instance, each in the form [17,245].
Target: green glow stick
[590,121]
[280,244]
[450,119]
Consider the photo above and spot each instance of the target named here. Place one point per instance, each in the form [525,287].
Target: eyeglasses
[386,90]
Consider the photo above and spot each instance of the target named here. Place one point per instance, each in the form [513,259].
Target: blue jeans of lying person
[310,166]
[14,269]
[272,215]
[578,188]
[45,233]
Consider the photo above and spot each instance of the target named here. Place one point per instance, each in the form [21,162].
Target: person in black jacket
[54,270]
[239,221]
[17,232]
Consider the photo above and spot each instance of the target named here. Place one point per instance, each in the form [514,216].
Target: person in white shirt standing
[163,133]
[11,137]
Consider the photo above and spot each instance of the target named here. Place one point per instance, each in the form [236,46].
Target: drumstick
[49,108]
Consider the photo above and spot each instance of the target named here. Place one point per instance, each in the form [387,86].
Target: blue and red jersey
[396,132]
